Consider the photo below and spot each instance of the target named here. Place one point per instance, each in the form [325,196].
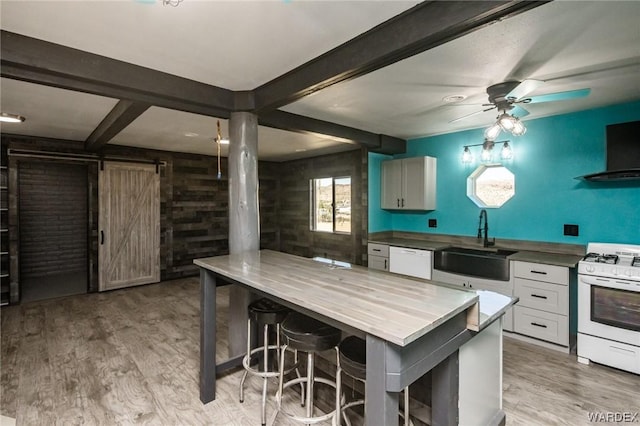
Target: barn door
[129,225]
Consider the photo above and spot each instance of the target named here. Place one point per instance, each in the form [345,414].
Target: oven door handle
[609,282]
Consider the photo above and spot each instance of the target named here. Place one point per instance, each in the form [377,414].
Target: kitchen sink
[489,264]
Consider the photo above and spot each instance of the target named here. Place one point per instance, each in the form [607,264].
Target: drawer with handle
[542,272]
[541,325]
[549,297]
[375,249]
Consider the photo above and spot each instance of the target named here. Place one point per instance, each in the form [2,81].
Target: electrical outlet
[571,230]
[433,223]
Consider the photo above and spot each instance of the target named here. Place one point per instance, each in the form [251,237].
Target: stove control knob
[629,273]
[614,271]
[590,268]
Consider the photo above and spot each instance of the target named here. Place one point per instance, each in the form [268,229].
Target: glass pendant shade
[467,156]
[518,128]
[506,153]
[507,122]
[486,155]
[492,132]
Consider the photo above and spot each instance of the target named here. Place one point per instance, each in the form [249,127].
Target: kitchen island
[410,326]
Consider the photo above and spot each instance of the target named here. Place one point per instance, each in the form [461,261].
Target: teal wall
[546,160]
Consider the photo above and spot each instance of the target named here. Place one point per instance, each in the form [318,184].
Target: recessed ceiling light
[11,118]
[191,134]
[454,98]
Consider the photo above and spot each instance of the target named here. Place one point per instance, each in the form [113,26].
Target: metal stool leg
[265,379]
[244,376]
[310,377]
[406,406]
[337,419]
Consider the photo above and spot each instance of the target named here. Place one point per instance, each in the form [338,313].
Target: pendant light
[219,141]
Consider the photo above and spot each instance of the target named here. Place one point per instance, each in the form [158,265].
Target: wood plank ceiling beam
[38,61]
[118,118]
[423,27]
[301,124]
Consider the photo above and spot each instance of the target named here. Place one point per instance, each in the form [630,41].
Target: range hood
[623,154]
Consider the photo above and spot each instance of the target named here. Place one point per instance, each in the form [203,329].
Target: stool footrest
[306,420]
[246,363]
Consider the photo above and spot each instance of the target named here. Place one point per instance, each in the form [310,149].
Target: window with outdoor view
[331,204]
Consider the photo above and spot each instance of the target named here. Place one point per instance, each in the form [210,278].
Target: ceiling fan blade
[524,88]
[558,96]
[518,111]
[470,115]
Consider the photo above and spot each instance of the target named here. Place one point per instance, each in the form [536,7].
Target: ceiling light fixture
[173,3]
[486,155]
[454,98]
[6,117]
[508,123]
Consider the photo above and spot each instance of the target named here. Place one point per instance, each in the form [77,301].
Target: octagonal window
[491,185]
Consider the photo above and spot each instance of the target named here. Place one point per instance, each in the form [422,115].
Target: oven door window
[618,308]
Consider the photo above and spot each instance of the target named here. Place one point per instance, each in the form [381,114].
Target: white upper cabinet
[409,184]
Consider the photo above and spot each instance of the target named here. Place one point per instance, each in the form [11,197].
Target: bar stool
[267,313]
[308,335]
[352,360]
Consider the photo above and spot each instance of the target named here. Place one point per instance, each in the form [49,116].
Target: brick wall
[53,216]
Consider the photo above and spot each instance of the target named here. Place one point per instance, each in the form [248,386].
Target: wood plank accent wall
[295,234]
[193,205]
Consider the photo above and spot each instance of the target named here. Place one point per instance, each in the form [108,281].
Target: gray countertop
[558,259]
[395,308]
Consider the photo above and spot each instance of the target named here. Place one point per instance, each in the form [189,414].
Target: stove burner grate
[603,258]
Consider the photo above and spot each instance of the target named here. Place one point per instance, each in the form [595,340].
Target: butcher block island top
[411,327]
[393,308]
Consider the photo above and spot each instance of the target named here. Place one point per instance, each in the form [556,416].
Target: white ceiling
[240,45]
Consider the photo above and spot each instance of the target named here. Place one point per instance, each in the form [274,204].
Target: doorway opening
[53,224]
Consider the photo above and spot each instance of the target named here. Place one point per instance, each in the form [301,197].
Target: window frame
[314,211]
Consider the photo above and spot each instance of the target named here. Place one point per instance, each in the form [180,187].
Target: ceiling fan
[506,95]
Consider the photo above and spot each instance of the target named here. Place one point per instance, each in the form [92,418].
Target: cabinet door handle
[101,237]
[403,202]
[376,250]
[538,296]
[398,202]
[539,272]
[539,325]
[385,264]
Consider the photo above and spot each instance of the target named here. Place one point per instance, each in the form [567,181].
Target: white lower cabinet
[542,325]
[475,283]
[543,309]
[378,255]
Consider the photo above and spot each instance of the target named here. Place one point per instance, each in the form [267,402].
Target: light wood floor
[131,356]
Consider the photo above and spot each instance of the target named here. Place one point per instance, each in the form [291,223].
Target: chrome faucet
[485,242]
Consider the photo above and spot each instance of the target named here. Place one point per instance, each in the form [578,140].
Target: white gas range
[609,306]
